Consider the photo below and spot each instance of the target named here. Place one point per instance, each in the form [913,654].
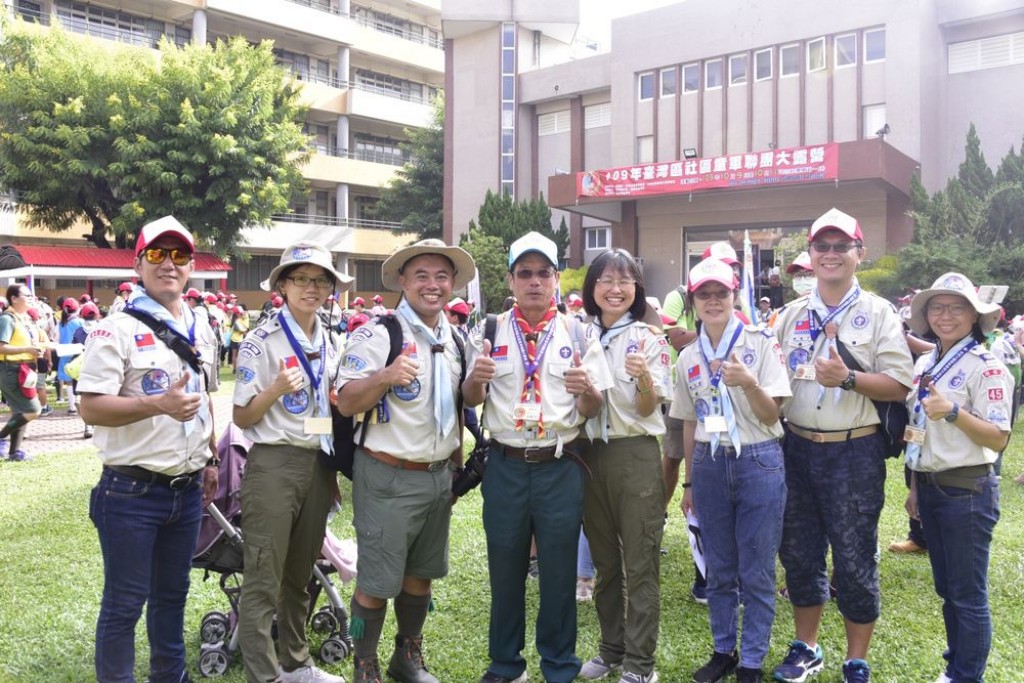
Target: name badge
[715,424]
[914,435]
[526,411]
[317,425]
[805,371]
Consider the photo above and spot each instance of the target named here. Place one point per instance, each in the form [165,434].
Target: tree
[110,135]
[491,257]
[415,196]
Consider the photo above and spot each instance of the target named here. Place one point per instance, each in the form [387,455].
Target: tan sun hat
[313,253]
[465,267]
[952,283]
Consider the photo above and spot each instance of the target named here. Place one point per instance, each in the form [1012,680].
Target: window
[737,70]
[379,150]
[874,119]
[552,123]
[368,277]
[645,149]
[669,82]
[691,78]
[874,45]
[815,55]
[597,116]
[507,167]
[101,22]
[249,274]
[789,60]
[762,65]
[846,50]
[646,85]
[597,238]
[390,86]
[713,74]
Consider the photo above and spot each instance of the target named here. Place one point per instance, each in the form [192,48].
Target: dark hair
[508,303]
[617,260]
[14,290]
[459,316]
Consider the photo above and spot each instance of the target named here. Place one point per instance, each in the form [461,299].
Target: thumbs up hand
[935,405]
[483,366]
[636,366]
[736,374]
[288,380]
[577,380]
[177,402]
[831,371]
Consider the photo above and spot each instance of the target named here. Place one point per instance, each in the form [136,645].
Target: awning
[91,263]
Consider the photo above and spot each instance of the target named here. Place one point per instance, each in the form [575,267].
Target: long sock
[411,612]
[16,438]
[365,629]
[17,421]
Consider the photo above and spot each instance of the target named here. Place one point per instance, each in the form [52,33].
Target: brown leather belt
[172,481]
[398,463]
[532,454]
[957,477]
[833,437]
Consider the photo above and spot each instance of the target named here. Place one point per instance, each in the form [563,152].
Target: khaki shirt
[259,357]
[761,353]
[411,432]
[623,419]
[558,406]
[872,333]
[124,358]
[982,386]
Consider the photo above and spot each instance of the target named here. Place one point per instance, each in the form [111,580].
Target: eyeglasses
[838,247]
[957,309]
[526,274]
[303,281]
[706,294]
[157,255]
[624,283]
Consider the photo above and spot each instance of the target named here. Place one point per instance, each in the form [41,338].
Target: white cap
[533,241]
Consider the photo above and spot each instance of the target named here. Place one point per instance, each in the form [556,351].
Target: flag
[747,295]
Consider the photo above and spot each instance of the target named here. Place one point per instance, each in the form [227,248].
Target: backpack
[892,415]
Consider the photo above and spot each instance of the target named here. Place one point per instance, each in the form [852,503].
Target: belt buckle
[436,465]
[526,454]
[818,437]
[180,482]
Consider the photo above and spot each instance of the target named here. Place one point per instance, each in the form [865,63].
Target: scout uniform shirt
[259,359]
[873,335]
[403,425]
[694,398]
[982,386]
[561,420]
[123,357]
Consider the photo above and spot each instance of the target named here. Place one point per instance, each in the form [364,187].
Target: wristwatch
[850,382]
[953,414]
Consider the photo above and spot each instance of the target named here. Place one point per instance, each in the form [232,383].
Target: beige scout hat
[465,268]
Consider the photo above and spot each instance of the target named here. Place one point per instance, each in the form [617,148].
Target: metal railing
[370,22]
[395,159]
[334,221]
[342,83]
[28,14]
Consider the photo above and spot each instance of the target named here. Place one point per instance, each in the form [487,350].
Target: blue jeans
[584,562]
[147,534]
[958,526]
[740,503]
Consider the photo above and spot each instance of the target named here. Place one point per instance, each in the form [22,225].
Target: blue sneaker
[856,671]
[18,456]
[800,663]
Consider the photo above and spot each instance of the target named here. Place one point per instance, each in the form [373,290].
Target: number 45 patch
[995,394]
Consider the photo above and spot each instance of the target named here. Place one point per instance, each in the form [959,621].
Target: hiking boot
[495,678]
[906,547]
[366,671]
[406,665]
[597,668]
[584,590]
[308,674]
[633,677]
[800,663]
[856,671]
[718,667]
[745,675]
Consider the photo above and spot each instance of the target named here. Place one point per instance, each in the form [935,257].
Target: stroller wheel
[324,620]
[213,662]
[334,650]
[214,628]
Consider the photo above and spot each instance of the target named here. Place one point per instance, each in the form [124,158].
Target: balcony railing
[370,22]
[391,159]
[340,83]
[334,221]
[321,5]
[29,14]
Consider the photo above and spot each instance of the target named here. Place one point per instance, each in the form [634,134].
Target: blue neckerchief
[304,348]
[606,336]
[444,402]
[818,316]
[732,332]
[919,418]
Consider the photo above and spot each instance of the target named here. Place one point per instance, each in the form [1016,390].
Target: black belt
[957,477]
[532,454]
[18,363]
[175,482]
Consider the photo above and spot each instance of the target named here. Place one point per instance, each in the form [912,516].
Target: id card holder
[804,371]
[914,435]
[317,425]
[529,412]
[715,424]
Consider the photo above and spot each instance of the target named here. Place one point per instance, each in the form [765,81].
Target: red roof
[92,257]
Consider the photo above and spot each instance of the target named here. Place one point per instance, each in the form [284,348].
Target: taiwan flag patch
[693,373]
[499,353]
[145,341]
[803,325]
[291,362]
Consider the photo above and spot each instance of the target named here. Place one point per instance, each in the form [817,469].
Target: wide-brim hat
[312,253]
[465,267]
[652,317]
[959,285]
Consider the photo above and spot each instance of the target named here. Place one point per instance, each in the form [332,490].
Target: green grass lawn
[51,581]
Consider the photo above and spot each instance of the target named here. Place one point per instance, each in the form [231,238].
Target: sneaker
[943,678]
[745,675]
[534,571]
[18,456]
[72,411]
[88,432]
[47,410]
[584,590]
[633,677]
[856,671]
[906,547]
[309,674]
[495,678]
[699,591]
[366,670]
[718,667]
[784,592]
[801,663]
[407,664]
[598,668]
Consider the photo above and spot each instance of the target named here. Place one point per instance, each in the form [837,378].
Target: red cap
[460,307]
[357,321]
[277,301]
[834,219]
[711,270]
[84,299]
[574,300]
[125,287]
[722,251]
[70,305]
[33,313]
[210,298]
[90,311]
[194,293]
[168,225]
[358,301]
[378,299]
[801,262]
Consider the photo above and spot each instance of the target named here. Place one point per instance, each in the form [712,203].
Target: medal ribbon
[526,339]
[725,346]
[315,372]
[919,419]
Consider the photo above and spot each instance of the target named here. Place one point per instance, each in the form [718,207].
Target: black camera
[469,477]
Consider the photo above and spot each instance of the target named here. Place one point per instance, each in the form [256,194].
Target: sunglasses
[838,247]
[157,255]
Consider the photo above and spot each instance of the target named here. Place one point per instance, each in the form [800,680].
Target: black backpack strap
[179,346]
[394,330]
[847,357]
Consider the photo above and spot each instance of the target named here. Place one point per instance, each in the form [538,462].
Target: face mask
[804,285]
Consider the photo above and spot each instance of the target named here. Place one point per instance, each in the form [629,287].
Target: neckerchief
[526,338]
[919,418]
[820,318]
[716,357]
[444,403]
[606,335]
[184,328]
[312,356]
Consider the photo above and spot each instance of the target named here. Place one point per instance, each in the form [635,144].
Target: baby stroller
[219,551]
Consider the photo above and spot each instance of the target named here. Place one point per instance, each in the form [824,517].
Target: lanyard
[531,367]
[817,325]
[962,348]
[315,381]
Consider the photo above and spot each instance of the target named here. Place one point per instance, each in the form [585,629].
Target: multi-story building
[706,120]
[369,70]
